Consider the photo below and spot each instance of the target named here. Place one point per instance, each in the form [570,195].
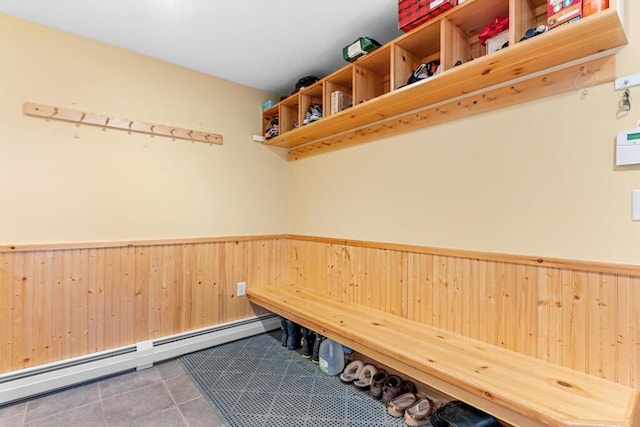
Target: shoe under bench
[515,388]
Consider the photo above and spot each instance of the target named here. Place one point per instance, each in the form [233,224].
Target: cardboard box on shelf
[340,101]
[590,7]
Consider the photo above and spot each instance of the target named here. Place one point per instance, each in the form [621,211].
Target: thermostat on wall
[628,147]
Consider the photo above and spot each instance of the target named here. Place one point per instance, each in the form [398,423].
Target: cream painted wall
[65,183]
[536,179]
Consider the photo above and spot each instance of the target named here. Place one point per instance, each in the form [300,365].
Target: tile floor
[162,396]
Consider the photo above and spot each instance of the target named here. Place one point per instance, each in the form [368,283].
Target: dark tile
[170,417]
[128,381]
[63,400]
[182,389]
[138,403]
[198,413]
[85,416]
[170,369]
[12,414]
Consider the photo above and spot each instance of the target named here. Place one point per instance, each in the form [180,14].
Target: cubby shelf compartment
[599,34]
[516,92]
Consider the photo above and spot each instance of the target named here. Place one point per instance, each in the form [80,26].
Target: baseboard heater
[18,385]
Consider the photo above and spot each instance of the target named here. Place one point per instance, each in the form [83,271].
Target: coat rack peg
[420,117]
[55,112]
[404,122]
[82,117]
[586,78]
[440,110]
[514,90]
[488,98]
[130,124]
[546,81]
[462,104]
[106,122]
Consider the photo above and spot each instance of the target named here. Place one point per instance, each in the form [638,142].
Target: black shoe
[283,331]
[308,339]
[315,356]
[293,335]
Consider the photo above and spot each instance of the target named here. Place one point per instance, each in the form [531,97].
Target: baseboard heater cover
[18,385]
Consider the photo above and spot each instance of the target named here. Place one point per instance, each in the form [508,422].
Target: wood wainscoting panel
[57,303]
[585,316]
[69,300]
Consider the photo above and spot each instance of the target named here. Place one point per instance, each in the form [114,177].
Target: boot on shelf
[315,355]
[293,335]
[308,339]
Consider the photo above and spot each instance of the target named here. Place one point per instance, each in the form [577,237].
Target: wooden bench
[517,389]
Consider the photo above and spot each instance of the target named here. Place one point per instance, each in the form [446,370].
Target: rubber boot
[283,331]
[293,335]
[308,339]
[315,356]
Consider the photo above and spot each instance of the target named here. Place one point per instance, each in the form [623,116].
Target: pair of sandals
[358,374]
[415,408]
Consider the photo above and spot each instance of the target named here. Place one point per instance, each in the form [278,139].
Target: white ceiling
[264,44]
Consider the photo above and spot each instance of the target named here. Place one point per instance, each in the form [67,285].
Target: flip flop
[399,405]
[420,412]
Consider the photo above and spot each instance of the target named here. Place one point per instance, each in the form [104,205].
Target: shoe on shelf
[283,331]
[377,384]
[420,412]
[399,405]
[316,112]
[271,132]
[391,388]
[315,354]
[351,372]
[293,336]
[308,339]
[407,387]
[363,382]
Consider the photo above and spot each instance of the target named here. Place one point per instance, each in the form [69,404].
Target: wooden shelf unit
[377,80]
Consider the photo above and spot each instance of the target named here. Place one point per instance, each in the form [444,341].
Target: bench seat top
[516,388]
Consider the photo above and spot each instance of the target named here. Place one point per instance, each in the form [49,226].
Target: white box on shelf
[495,43]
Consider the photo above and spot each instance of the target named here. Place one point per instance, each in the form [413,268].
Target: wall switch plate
[242,289]
[635,203]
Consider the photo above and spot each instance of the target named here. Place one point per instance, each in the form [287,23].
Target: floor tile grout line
[175,403]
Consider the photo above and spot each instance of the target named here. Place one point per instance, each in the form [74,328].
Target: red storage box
[412,13]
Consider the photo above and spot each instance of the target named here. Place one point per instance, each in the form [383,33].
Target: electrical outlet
[242,289]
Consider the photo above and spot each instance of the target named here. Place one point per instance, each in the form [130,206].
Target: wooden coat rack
[69,115]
